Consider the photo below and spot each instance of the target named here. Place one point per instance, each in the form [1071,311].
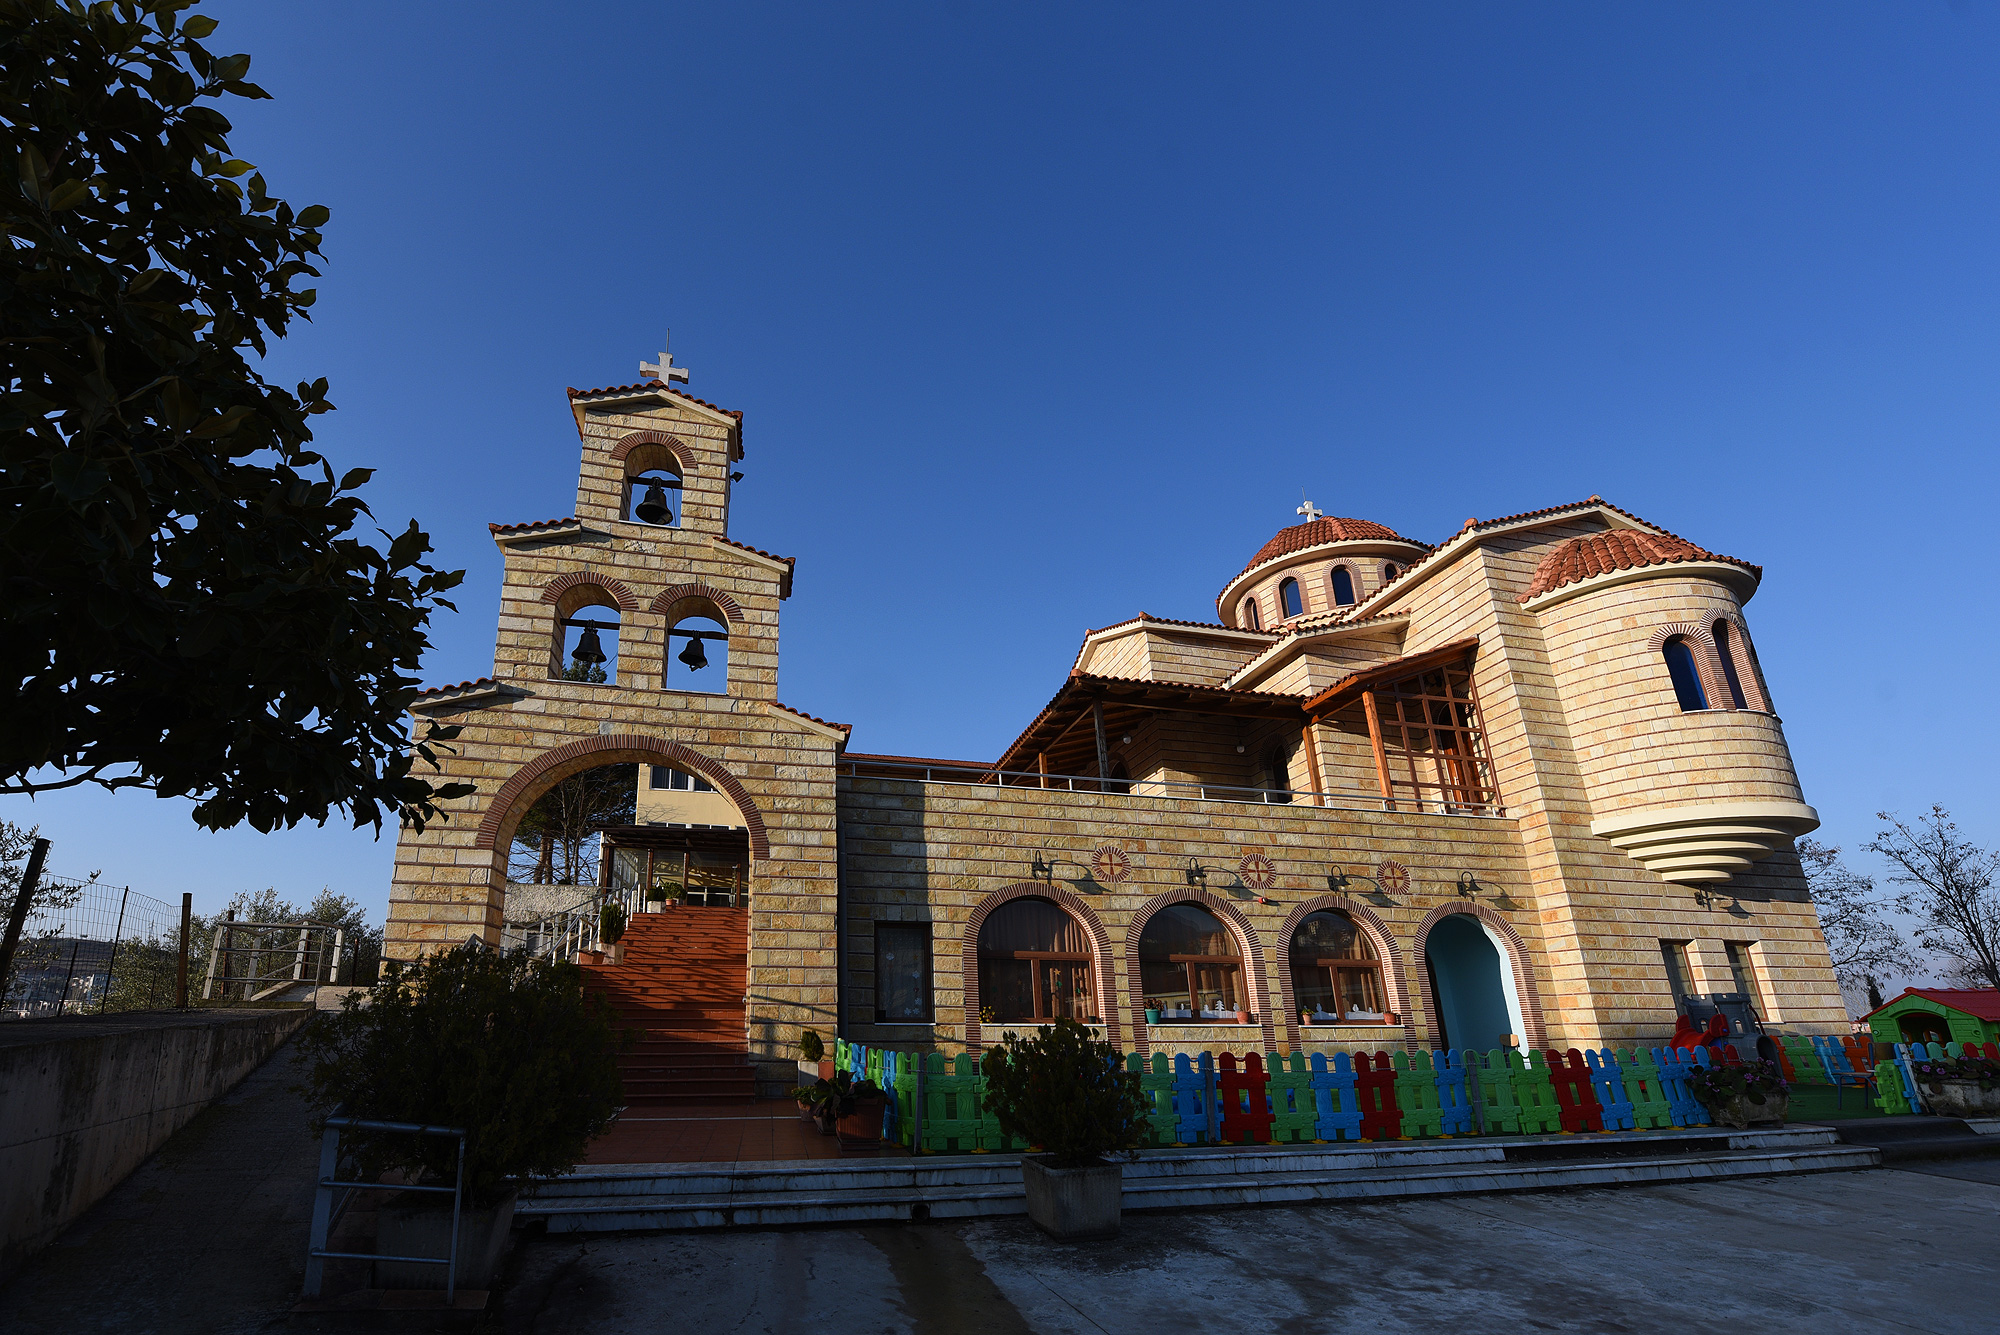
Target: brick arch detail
[552,592]
[613,749]
[1394,980]
[634,439]
[1747,671]
[1517,960]
[1246,942]
[1707,660]
[1072,904]
[731,609]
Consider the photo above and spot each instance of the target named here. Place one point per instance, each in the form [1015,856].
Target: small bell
[653,509]
[694,655]
[588,650]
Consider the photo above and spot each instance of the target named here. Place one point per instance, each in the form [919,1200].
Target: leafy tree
[551,841]
[1950,892]
[1861,941]
[186,605]
[504,1045]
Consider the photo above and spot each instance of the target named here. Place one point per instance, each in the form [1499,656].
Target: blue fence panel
[1674,1064]
[1194,1098]
[1607,1078]
[1454,1094]
[1335,1097]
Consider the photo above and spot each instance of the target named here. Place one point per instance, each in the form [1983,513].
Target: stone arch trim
[1355,583]
[1747,670]
[1071,903]
[552,592]
[612,749]
[731,609]
[634,439]
[1256,977]
[1394,980]
[1707,660]
[1517,952]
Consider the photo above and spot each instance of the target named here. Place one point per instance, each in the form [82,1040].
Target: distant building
[1526,786]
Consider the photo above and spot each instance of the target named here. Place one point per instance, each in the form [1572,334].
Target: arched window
[1120,778]
[697,653]
[1189,967]
[1679,654]
[1289,598]
[1390,572]
[1336,978]
[1250,617]
[653,488]
[1725,648]
[1343,587]
[1034,964]
[586,637]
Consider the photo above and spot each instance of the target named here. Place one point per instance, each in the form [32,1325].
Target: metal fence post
[30,877]
[111,968]
[187,925]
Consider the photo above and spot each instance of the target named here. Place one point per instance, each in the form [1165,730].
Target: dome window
[1679,654]
[1389,572]
[1250,617]
[1290,599]
[1343,587]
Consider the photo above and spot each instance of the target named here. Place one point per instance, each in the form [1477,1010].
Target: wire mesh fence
[92,949]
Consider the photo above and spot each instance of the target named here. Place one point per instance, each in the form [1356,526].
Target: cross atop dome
[1309,510]
[664,369]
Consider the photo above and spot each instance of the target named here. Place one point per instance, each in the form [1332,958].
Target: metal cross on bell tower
[664,369]
[1309,510]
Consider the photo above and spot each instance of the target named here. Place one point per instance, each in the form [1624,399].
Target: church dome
[1620,549]
[1319,532]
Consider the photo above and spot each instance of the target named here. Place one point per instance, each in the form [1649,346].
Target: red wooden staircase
[680,988]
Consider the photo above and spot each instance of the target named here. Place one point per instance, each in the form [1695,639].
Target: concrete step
[898,1189]
[1900,1139]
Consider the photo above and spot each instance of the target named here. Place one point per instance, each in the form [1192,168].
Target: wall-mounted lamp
[1710,899]
[1468,887]
[1042,870]
[1196,873]
[736,477]
[1340,881]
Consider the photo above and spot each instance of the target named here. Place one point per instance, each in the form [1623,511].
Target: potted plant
[1071,1096]
[844,1106]
[1243,1017]
[1152,1015]
[812,1051]
[611,930]
[503,1045]
[1739,1095]
[656,898]
[1960,1086]
[809,1098]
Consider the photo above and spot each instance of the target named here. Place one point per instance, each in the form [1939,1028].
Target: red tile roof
[1169,621]
[824,723]
[478,683]
[1983,1002]
[1618,549]
[746,547]
[539,523]
[575,393]
[1316,532]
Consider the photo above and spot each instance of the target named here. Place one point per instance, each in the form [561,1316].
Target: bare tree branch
[1861,942]
[1951,892]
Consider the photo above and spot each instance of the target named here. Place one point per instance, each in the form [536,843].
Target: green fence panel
[874,1065]
[951,1103]
[1889,1089]
[1295,1114]
[1500,1112]
[1535,1094]
[908,1111]
[1417,1094]
[1650,1108]
[991,1137]
[1156,1082]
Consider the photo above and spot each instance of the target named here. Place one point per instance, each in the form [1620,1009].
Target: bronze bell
[654,509]
[588,650]
[694,655]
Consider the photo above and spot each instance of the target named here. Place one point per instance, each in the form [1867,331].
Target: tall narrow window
[1389,572]
[1743,973]
[1250,617]
[1343,587]
[1278,771]
[1674,955]
[1725,649]
[1680,666]
[902,972]
[1289,599]
[1335,975]
[1034,963]
[1189,967]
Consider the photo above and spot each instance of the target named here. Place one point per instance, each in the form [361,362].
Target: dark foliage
[1065,1092]
[185,603]
[502,1045]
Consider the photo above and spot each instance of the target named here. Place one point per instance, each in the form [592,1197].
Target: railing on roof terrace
[920,771]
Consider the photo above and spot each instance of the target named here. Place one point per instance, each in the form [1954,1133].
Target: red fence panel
[1375,1085]
[1246,1103]
[1570,1075]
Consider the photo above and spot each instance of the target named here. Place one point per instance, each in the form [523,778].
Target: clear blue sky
[1040,316]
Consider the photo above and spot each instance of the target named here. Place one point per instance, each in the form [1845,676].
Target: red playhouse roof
[1983,1002]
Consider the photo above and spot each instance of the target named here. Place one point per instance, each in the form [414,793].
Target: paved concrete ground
[1880,1250]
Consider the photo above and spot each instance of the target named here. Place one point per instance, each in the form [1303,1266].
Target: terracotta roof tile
[651,385]
[1169,621]
[477,683]
[1618,549]
[539,523]
[746,547]
[813,718]
[1317,532]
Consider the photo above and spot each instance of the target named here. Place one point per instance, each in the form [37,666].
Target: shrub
[1754,1081]
[1931,1073]
[503,1045]
[611,923]
[811,1046]
[1066,1092]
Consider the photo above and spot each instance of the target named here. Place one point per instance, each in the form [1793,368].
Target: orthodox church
[1525,786]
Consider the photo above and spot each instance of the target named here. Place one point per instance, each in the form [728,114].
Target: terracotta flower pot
[863,1126]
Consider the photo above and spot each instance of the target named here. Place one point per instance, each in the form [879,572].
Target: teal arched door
[1467,982]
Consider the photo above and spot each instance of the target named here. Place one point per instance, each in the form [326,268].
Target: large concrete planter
[1962,1098]
[1741,1112]
[1071,1203]
[415,1224]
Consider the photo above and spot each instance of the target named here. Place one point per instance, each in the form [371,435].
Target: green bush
[611,923]
[811,1046]
[1064,1091]
[503,1045]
